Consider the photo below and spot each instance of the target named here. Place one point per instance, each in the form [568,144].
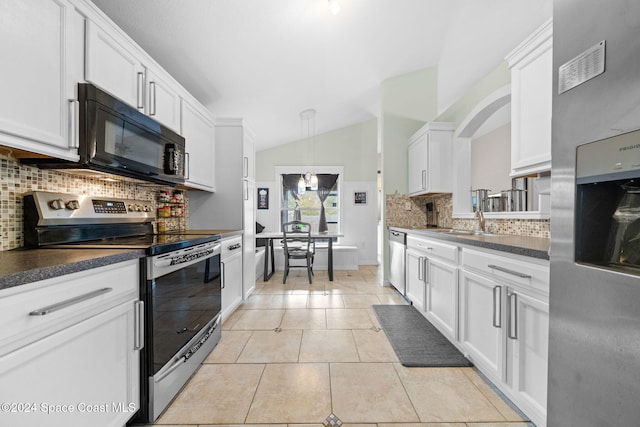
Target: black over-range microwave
[116,138]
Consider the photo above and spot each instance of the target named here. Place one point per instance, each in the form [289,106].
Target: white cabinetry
[64,336]
[199,133]
[113,64]
[430,159]
[231,260]
[232,206]
[531,66]
[481,331]
[505,324]
[416,277]
[163,99]
[432,286]
[40,68]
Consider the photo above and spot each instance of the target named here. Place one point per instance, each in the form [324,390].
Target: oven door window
[182,303]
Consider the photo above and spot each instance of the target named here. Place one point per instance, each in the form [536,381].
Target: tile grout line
[255,392]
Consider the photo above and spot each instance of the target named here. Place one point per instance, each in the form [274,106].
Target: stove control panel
[61,209]
[109,206]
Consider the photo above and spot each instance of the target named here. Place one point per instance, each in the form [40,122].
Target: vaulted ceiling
[267,60]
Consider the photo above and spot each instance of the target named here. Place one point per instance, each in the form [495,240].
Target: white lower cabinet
[442,297]
[231,275]
[481,329]
[505,325]
[527,351]
[79,363]
[432,282]
[494,306]
[416,278]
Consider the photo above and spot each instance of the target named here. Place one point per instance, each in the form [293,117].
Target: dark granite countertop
[535,247]
[223,233]
[22,266]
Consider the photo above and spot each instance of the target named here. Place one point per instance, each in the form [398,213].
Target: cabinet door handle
[245,167]
[74,106]
[424,179]
[152,98]
[512,272]
[188,165]
[223,274]
[512,332]
[71,301]
[140,90]
[427,275]
[497,306]
[139,325]
[246,189]
[420,272]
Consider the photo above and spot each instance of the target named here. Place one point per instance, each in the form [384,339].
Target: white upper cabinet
[199,133]
[163,100]
[531,66]
[40,52]
[430,161]
[113,65]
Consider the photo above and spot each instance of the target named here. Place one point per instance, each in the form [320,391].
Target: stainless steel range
[180,287]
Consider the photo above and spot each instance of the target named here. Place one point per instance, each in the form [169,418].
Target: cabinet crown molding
[541,36]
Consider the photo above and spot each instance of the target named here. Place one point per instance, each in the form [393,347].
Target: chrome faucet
[480,218]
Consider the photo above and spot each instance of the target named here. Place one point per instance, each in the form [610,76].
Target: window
[308,206]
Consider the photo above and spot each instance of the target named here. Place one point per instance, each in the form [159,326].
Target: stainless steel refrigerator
[594,343]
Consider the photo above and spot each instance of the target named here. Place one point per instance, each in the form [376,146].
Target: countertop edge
[506,244]
[37,274]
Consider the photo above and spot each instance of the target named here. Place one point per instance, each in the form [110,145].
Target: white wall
[358,222]
[491,160]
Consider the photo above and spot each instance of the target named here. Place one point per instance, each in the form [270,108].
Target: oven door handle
[172,368]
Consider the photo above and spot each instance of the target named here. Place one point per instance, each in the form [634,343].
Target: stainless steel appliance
[397,253]
[116,138]
[479,199]
[594,307]
[608,204]
[181,287]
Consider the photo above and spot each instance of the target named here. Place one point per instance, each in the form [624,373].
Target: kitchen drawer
[231,246]
[434,248]
[69,299]
[532,274]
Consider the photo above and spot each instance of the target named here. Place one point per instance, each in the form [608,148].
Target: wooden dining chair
[297,246]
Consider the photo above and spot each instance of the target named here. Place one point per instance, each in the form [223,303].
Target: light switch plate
[407,206]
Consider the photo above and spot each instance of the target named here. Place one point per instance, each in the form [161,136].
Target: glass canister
[164,211]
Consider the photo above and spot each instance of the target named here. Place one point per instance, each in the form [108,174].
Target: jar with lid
[164,211]
[178,196]
[164,196]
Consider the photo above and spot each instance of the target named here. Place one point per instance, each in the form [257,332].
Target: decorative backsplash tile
[410,212]
[17,179]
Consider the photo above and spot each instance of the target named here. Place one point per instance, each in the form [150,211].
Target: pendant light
[334,7]
[308,181]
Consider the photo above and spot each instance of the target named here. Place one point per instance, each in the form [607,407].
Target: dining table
[269,258]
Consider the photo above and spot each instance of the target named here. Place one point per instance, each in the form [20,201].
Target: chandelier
[308,181]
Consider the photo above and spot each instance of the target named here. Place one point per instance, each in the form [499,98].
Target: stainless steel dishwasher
[397,253]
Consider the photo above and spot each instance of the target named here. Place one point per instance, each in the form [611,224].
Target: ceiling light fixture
[334,7]
[308,181]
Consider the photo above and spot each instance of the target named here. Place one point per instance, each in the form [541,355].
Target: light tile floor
[294,354]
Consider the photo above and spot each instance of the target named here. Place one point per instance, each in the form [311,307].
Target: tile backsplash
[410,212]
[17,179]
